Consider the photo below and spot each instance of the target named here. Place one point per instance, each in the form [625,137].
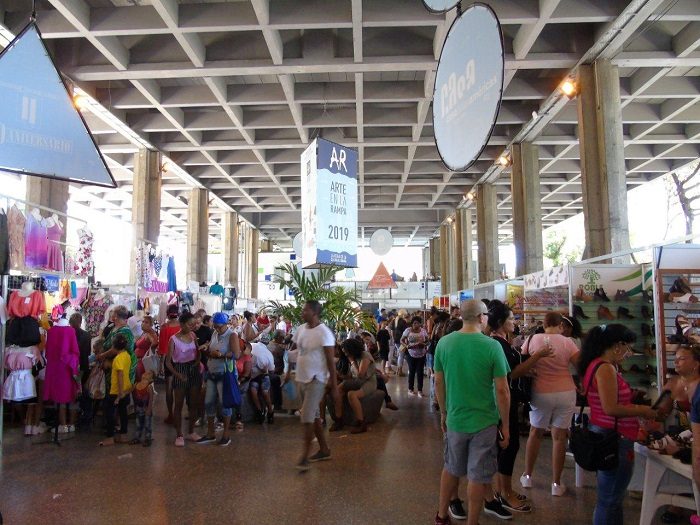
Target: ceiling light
[449,220]
[81,102]
[471,196]
[505,160]
[569,88]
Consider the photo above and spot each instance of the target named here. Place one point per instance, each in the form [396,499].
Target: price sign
[329,205]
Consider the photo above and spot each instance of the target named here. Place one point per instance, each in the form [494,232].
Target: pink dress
[54,257]
[35,243]
[62,362]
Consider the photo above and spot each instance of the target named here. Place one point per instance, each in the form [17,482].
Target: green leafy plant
[341,307]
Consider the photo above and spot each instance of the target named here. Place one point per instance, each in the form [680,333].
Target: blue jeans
[215,388]
[612,484]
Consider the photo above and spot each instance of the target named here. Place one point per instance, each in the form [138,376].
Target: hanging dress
[4,244]
[172,278]
[15,225]
[54,257]
[62,363]
[35,243]
[84,264]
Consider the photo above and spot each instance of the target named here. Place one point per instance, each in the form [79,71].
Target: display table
[653,497]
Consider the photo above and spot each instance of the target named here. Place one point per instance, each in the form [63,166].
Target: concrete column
[253,248]
[602,160]
[487,233]
[435,256]
[229,234]
[527,214]
[197,235]
[463,249]
[145,206]
[444,273]
[49,193]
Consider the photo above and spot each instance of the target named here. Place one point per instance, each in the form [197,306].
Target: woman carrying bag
[612,411]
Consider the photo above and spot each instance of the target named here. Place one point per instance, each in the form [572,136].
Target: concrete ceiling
[234,91]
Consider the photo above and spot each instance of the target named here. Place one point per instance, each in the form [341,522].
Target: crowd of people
[485,377]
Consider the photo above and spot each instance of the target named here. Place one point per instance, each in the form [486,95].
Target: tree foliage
[341,307]
[686,189]
[554,249]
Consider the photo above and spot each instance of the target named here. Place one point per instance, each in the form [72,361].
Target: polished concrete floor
[389,475]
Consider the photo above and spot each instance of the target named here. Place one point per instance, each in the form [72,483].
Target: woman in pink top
[183,363]
[609,397]
[553,399]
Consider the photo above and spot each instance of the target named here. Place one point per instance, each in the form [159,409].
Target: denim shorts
[473,455]
[262,381]
[215,388]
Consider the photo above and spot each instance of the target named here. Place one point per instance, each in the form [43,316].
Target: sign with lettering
[41,131]
[329,205]
[468,87]
[440,6]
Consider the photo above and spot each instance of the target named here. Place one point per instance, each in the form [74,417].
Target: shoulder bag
[593,450]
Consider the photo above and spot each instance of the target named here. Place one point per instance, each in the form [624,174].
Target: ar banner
[329,205]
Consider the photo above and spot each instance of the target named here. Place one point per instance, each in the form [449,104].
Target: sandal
[135,441]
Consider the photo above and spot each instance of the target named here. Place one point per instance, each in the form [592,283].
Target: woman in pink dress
[62,380]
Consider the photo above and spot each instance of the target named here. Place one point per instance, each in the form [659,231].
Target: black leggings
[506,457]
[121,409]
[381,385]
[415,367]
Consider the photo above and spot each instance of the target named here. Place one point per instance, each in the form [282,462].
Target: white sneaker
[63,429]
[526,481]
[558,489]
[411,393]
[71,428]
[28,430]
[37,430]
[420,394]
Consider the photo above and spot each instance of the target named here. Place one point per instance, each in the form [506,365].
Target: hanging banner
[381,280]
[468,87]
[329,205]
[41,131]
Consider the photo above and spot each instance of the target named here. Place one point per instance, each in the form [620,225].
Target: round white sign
[297,244]
[468,87]
[439,6]
[381,242]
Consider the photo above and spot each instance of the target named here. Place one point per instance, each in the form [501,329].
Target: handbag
[95,384]
[593,450]
[151,362]
[231,395]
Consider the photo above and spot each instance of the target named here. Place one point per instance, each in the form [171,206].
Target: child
[119,392]
[143,405]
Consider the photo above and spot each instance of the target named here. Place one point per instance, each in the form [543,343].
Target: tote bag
[231,396]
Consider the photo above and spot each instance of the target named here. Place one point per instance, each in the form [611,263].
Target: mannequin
[62,369]
[27,289]
[37,214]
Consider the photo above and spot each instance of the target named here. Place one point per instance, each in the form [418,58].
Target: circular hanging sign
[439,6]
[297,244]
[381,242]
[468,87]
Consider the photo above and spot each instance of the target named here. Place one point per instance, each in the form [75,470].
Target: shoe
[442,521]
[28,429]
[206,440]
[224,442]
[600,295]
[71,428]
[63,429]
[624,313]
[320,456]
[38,430]
[605,313]
[391,406]
[336,426]
[526,481]
[270,418]
[194,437]
[581,295]
[147,442]
[456,510]
[646,313]
[303,465]
[621,295]
[578,312]
[361,428]
[411,393]
[521,506]
[494,508]
[179,441]
[558,489]
[420,394]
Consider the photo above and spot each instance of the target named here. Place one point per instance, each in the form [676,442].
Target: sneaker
[271,418]
[205,440]
[28,429]
[522,505]
[147,442]
[320,456]
[224,442]
[442,521]
[180,441]
[411,393]
[194,437]
[526,481]
[494,508]
[420,394]
[219,426]
[63,429]
[71,428]
[303,465]
[456,510]
[38,430]
[558,489]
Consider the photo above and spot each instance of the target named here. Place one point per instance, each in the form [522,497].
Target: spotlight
[505,160]
[80,102]
[471,196]
[165,166]
[569,88]
[449,220]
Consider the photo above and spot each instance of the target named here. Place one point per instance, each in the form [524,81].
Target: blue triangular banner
[41,131]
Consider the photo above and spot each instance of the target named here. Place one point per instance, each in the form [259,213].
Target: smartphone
[661,399]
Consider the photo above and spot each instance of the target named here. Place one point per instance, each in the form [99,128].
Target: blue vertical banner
[329,205]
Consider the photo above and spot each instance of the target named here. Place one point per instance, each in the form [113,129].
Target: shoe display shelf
[603,294]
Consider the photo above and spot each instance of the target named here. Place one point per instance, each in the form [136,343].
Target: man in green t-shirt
[471,384]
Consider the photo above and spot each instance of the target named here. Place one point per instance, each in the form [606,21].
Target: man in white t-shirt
[315,369]
[282,325]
